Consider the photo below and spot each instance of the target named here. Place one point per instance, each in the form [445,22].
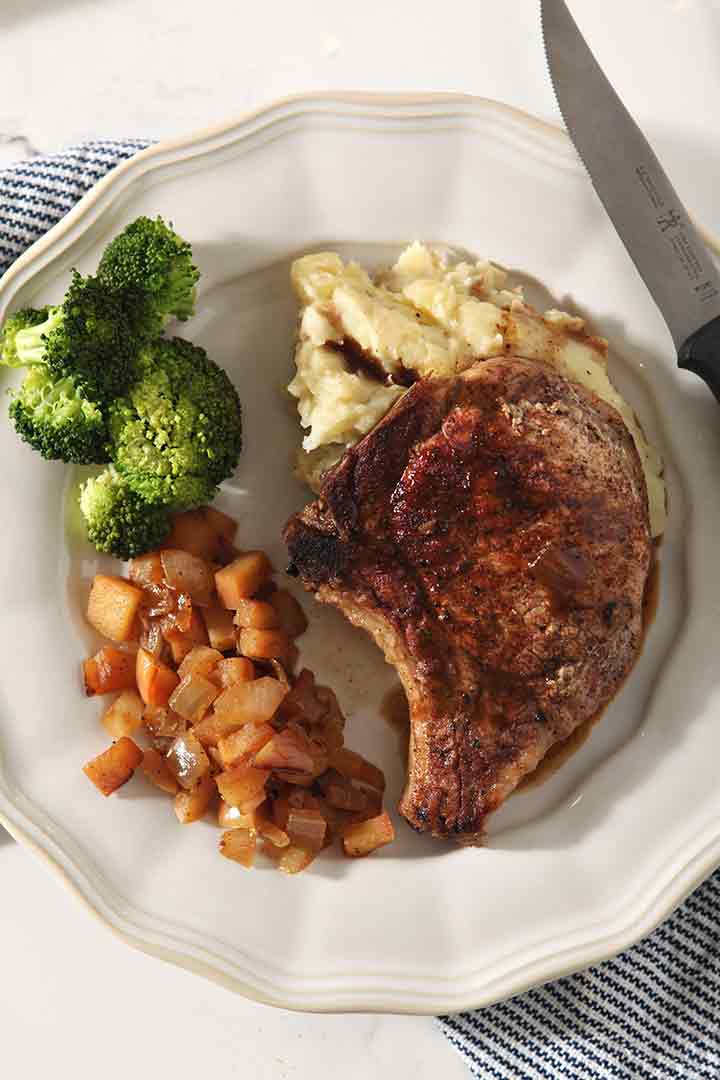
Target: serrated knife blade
[640,200]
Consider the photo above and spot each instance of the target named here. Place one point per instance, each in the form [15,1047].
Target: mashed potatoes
[362,342]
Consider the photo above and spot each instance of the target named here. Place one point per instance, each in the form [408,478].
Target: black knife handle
[701,354]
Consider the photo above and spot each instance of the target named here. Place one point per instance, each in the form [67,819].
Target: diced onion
[254,701]
[193,697]
[286,750]
[161,720]
[187,760]
[159,600]
[151,638]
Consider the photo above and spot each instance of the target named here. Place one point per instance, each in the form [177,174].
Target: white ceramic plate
[576,869]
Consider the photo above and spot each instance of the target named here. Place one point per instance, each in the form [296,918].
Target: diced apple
[147,569]
[222,524]
[354,767]
[366,836]
[226,553]
[256,615]
[182,642]
[233,670]
[307,828]
[187,760]
[108,670]
[188,574]
[216,726]
[242,578]
[192,531]
[299,778]
[156,769]
[229,817]
[340,793]
[336,819]
[155,680]
[114,767]
[90,677]
[125,715]
[267,828]
[200,661]
[192,805]
[112,607]
[373,808]
[292,618]
[242,785]
[290,859]
[179,646]
[238,748]
[220,628]
[263,644]
[239,845]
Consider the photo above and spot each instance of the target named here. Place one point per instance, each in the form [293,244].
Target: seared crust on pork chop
[491,533]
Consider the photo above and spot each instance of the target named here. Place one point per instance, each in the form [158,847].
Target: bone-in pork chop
[491,533]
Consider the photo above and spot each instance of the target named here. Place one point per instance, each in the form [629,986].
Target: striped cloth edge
[37,192]
[652,1013]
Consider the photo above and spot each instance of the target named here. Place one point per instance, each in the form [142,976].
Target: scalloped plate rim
[349,993]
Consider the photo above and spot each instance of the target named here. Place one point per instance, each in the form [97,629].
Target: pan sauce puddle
[394,708]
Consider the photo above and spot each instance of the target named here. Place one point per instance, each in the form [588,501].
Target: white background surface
[71,997]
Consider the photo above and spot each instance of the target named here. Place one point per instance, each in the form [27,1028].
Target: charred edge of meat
[319,557]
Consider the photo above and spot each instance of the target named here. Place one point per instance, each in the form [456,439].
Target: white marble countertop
[72,996]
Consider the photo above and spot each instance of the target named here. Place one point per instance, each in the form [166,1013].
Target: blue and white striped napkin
[653,1013]
[36,193]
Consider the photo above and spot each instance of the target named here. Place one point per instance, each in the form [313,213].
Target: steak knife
[641,202]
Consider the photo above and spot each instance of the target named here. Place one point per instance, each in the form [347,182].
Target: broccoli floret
[177,432]
[50,412]
[93,341]
[118,521]
[154,267]
[88,338]
[19,320]
[30,342]
[57,420]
